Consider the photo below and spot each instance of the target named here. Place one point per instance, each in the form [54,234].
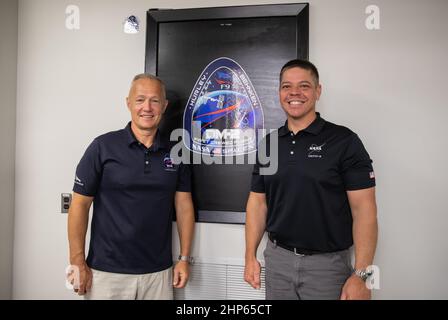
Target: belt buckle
[298,254]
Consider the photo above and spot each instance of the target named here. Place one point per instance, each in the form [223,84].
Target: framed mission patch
[221,68]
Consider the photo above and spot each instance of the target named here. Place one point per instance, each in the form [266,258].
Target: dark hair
[302,64]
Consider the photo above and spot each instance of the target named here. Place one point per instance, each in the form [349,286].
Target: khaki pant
[117,286]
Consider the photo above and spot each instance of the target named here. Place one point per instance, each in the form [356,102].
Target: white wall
[387,85]
[8,81]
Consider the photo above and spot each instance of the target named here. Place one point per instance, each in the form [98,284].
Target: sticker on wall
[223,113]
[131,25]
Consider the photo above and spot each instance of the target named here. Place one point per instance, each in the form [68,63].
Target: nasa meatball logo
[315,151]
[223,113]
[168,163]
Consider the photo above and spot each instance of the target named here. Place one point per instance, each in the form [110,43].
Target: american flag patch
[372,175]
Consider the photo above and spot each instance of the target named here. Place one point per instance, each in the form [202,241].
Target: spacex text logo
[227,134]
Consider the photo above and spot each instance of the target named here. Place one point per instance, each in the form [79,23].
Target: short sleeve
[89,171]
[257,182]
[356,166]
[184,178]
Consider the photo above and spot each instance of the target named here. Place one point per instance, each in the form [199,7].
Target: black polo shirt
[307,199]
[133,189]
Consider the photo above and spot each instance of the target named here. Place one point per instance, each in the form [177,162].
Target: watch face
[186,258]
[363,274]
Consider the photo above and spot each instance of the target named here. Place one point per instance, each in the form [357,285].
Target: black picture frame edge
[224,217]
[156,16]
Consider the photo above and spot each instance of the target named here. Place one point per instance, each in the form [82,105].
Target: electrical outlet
[66,200]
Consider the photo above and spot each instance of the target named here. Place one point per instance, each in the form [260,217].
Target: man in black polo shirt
[318,204]
[134,186]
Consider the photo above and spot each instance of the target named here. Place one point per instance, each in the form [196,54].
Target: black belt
[298,251]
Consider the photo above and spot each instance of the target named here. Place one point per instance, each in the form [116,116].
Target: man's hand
[256,213]
[78,219]
[355,289]
[252,272]
[180,274]
[81,278]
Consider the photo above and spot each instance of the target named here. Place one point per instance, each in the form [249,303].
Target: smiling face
[299,93]
[147,103]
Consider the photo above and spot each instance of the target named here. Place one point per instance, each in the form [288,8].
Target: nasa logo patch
[223,113]
[168,163]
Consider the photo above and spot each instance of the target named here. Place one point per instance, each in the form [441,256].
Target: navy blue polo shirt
[307,199]
[133,189]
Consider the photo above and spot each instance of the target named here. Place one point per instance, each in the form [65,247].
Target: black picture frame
[158,18]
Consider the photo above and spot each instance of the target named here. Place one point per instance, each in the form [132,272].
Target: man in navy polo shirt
[134,186]
[318,204]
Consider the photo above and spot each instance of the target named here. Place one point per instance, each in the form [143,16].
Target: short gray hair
[151,77]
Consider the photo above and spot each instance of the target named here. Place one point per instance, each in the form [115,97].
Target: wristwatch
[186,258]
[363,274]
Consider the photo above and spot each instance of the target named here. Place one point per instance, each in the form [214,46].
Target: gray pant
[316,277]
